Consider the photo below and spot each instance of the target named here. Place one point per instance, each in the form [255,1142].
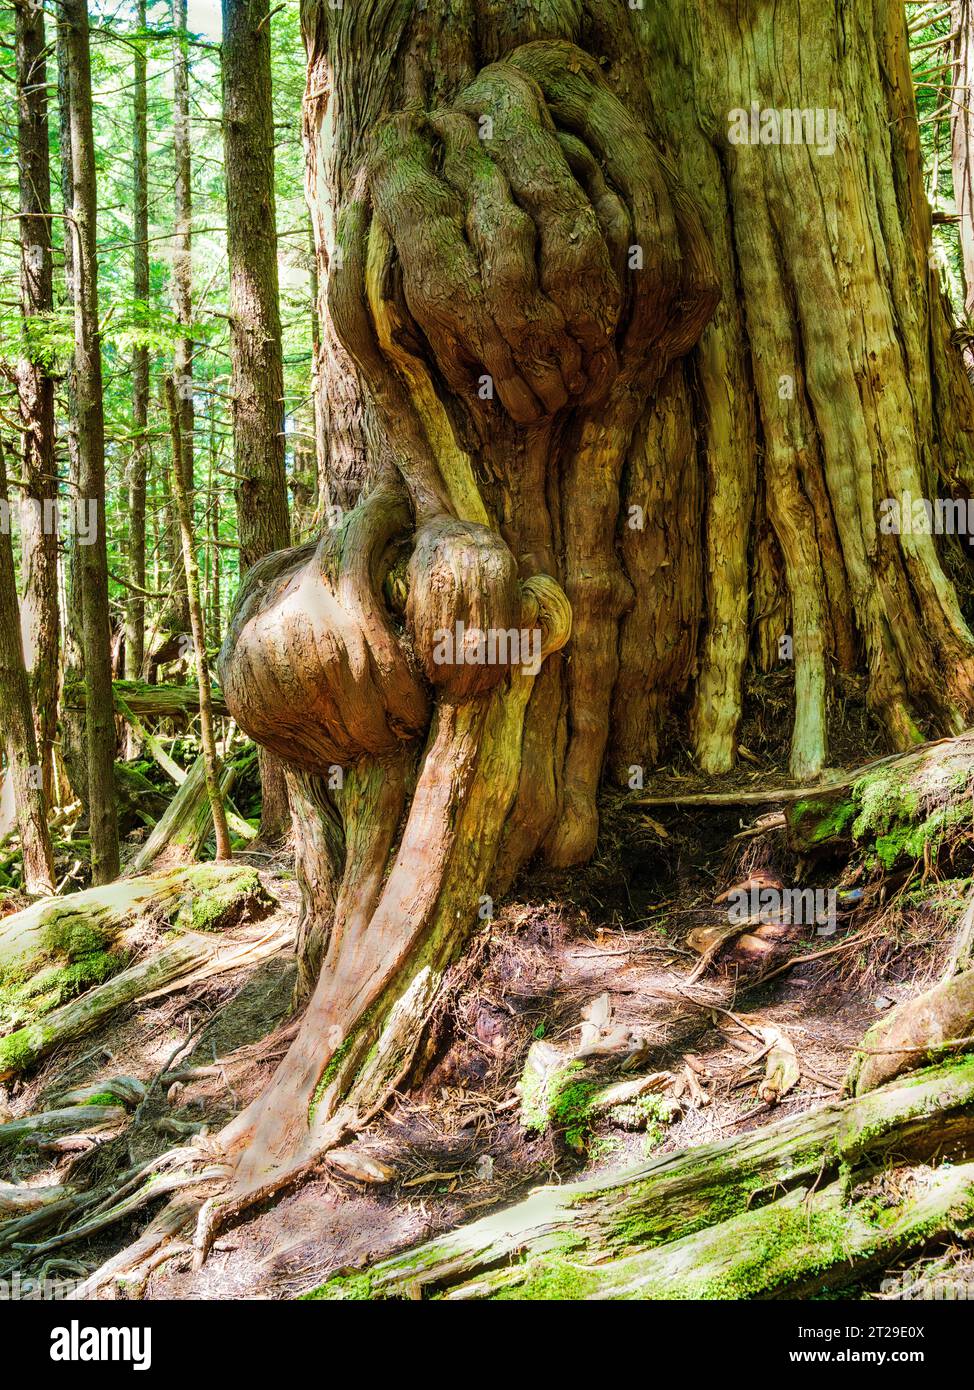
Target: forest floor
[613,937]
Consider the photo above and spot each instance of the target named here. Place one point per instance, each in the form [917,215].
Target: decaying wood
[19,1200]
[150,701]
[932,783]
[94,918]
[178,835]
[776,1212]
[939,1021]
[53,1124]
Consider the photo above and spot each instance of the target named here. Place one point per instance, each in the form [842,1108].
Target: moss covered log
[784,1209]
[57,949]
[898,810]
[149,701]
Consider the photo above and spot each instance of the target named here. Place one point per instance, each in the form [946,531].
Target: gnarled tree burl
[514,267]
[531,328]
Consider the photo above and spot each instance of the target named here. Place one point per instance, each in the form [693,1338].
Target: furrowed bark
[178,619]
[16,720]
[138,460]
[90,429]
[39,530]
[257,387]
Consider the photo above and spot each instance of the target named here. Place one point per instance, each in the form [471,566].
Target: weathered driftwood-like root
[925,1029]
[36,1130]
[17,1200]
[62,947]
[783,1210]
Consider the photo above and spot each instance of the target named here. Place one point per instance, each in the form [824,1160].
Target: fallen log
[775,1213]
[57,948]
[192,956]
[63,930]
[150,701]
[900,808]
[181,832]
[53,1124]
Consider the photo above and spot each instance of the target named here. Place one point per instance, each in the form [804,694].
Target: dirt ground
[616,933]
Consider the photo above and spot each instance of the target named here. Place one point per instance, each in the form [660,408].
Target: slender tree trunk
[962,138]
[135,602]
[255,326]
[212,585]
[73,736]
[90,428]
[39,531]
[16,720]
[211,761]
[182,291]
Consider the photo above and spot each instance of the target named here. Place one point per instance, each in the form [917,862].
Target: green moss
[343,1288]
[550,1278]
[556,1098]
[829,819]
[644,1112]
[784,1241]
[328,1076]
[73,935]
[18,1050]
[216,898]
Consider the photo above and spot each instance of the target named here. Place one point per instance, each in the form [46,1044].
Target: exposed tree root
[936,1023]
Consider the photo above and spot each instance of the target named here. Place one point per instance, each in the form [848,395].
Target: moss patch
[216,897]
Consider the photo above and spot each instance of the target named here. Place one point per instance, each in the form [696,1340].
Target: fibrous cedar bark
[16,722]
[257,387]
[138,459]
[182,296]
[512,268]
[539,348]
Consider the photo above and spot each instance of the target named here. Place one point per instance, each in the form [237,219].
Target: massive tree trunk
[39,533]
[546,364]
[90,432]
[257,388]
